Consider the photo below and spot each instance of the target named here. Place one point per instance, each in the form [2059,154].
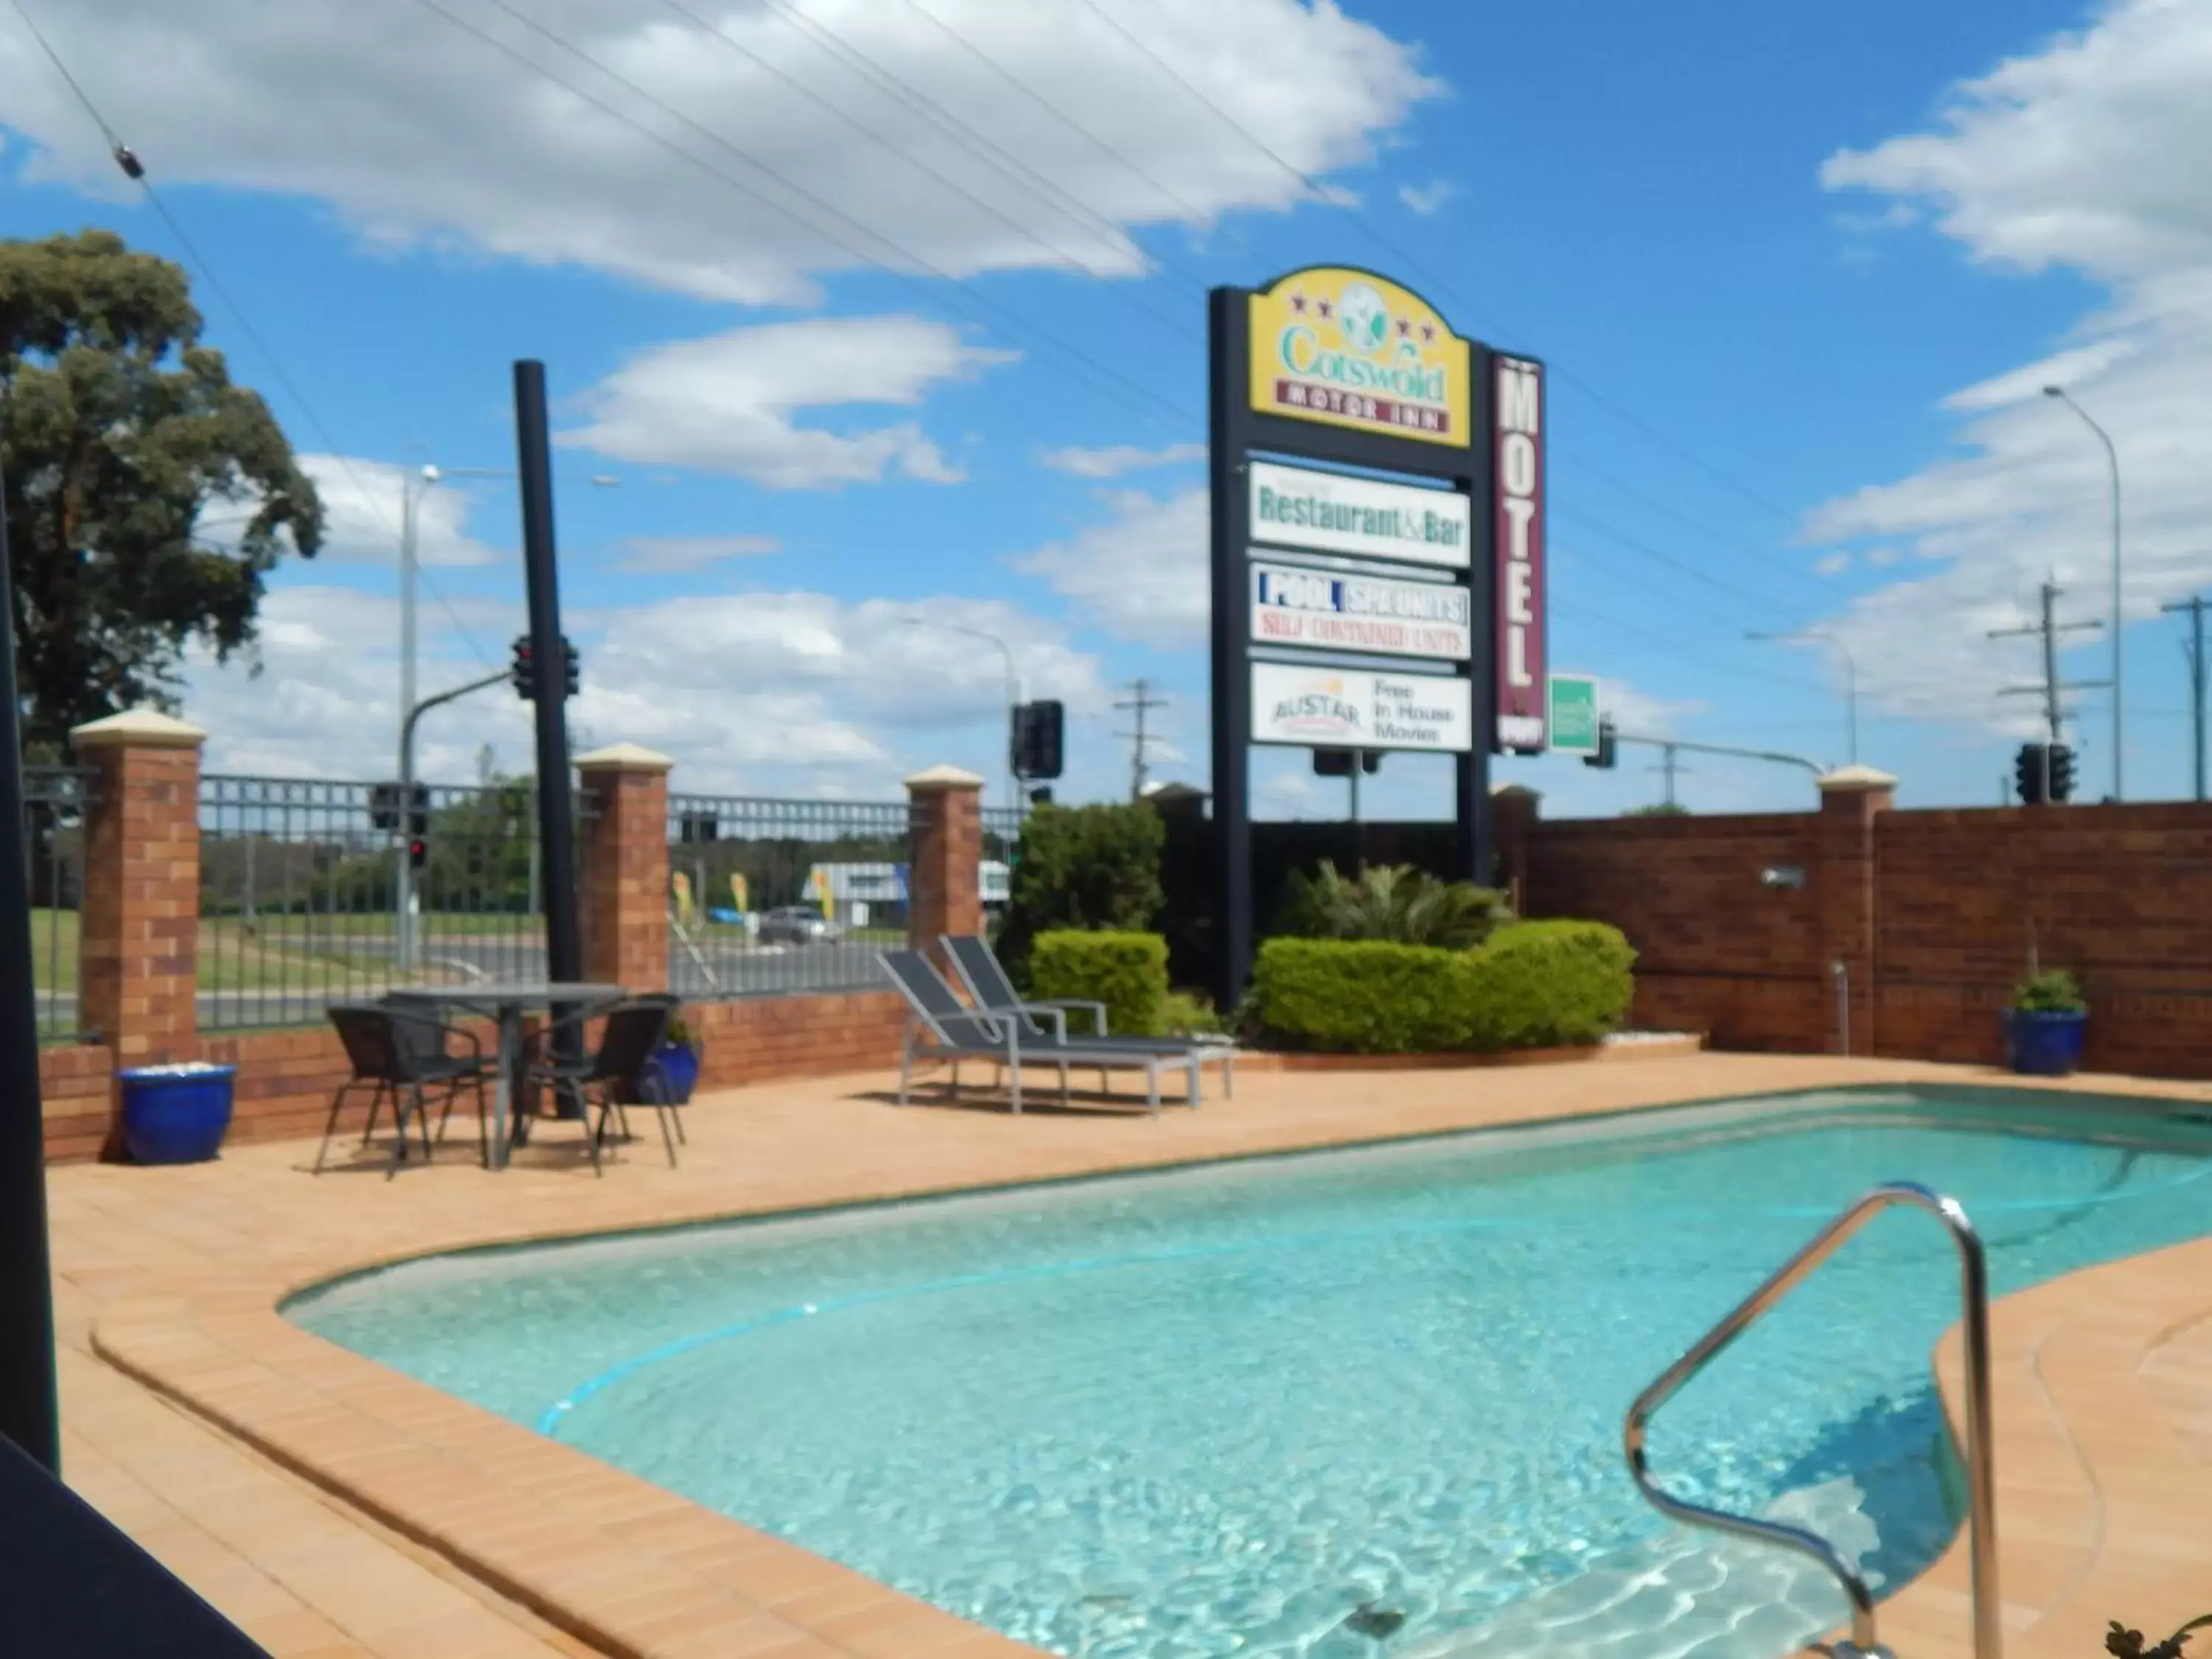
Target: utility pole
[1669,764]
[1141,703]
[2049,628]
[2194,649]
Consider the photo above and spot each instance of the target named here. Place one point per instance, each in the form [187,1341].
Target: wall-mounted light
[1783,875]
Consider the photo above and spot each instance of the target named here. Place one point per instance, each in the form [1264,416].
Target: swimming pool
[1269,1408]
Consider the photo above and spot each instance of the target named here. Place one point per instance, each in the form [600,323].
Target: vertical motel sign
[1378,551]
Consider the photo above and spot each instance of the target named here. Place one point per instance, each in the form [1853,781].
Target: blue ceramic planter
[175,1113]
[2044,1045]
[679,1065]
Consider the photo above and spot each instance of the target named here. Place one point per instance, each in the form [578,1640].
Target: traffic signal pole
[564,957]
[2049,628]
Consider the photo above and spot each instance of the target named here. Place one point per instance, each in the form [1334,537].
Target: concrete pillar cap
[1514,792]
[137,728]
[943,777]
[1855,780]
[623,757]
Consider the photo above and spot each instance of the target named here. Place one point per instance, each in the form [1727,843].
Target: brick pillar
[138,929]
[1513,810]
[1851,799]
[942,894]
[625,874]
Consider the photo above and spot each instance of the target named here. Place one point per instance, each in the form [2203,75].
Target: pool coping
[2094,1498]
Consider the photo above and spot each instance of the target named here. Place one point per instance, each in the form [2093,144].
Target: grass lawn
[272,952]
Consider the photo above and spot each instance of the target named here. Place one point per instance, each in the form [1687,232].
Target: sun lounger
[944,1030]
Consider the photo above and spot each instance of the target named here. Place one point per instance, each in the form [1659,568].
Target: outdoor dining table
[505,1003]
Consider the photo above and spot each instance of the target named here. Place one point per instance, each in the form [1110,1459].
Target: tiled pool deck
[332,1507]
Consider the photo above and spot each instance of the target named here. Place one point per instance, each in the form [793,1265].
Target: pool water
[1262,1408]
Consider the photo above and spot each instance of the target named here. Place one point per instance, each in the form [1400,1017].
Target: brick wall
[1717,951]
[74,1082]
[1935,912]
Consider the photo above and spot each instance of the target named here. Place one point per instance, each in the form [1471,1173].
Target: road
[730,970]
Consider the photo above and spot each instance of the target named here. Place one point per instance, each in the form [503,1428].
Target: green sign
[1574,715]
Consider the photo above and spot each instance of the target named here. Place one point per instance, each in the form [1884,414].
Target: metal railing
[773,897]
[1981,1479]
[299,889]
[54,802]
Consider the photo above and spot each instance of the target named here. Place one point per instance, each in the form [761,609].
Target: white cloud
[1114,459]
[1425,199]
[1831,564]
[424,136]
[362,514]
[1142,575]
[1633,710]
[728,403]
[2087,154]
[776,693]
[682,554]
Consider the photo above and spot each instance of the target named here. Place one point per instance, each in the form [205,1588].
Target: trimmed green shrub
[1082,867]
[1396,902]
[1533,985]
[1127,972]
[1547,985]
[1189,1014]
[1356,996]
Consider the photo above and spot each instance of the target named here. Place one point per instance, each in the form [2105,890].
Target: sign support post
[1228,370]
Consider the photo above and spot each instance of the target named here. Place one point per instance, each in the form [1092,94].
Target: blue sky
[1796,274]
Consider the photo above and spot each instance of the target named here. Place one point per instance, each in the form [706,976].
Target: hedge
[1358,996]
[1532,985]
[1127,972]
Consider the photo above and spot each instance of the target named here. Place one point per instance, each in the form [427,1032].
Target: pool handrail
[1981,1480]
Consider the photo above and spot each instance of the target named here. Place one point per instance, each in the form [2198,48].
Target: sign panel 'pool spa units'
[1378,549]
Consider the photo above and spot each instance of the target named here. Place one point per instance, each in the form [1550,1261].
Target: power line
[134,169]
[1765,604]
[963,293]
[972,137]
[908,156]
[1429,278]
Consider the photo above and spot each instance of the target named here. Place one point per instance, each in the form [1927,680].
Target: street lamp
[1013,692]
[2113,460]
[413,486]
[1850,674]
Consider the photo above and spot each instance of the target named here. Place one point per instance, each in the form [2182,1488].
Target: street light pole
[1851,676]
[1013,694]
[2113,460]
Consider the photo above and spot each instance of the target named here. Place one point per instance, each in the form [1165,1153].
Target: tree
[1089,867]
[118,429]
[1663,809]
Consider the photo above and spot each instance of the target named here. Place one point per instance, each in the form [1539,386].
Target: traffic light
[1337,762]
[1039,731]
[384,805]
[572,663]
[2061,773]
[418,852]
[418,813]
[2028,774]
[1608,748]
[1041,797]
[523,673]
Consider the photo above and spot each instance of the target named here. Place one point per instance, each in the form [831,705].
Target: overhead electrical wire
[134,169]
[960,290]
[1429,278]
[1058,253]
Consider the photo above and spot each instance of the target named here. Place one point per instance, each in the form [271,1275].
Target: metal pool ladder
[1981,1484]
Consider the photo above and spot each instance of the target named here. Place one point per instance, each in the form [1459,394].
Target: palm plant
[1397,903]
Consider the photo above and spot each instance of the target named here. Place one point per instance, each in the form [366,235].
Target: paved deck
[331,1507]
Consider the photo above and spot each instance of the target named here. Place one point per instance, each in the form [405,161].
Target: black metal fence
[302,883]
[54,801]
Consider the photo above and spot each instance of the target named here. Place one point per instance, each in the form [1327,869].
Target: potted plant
[2044,1026]
[2125,1644]
[677,1060]
[175,1113]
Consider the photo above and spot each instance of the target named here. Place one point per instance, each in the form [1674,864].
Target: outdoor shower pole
[550,670]
[30,1410]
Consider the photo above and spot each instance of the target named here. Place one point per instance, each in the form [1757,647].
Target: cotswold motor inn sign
[1378,545]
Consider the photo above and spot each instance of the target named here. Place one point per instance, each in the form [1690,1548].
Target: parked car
[799,924]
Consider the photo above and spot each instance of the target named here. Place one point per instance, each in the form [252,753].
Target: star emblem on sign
[1405,328]
[1428,332]
[1298,302]
[1322,307]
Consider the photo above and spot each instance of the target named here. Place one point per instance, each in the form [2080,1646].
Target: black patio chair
[404,1053]
[625,1069]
